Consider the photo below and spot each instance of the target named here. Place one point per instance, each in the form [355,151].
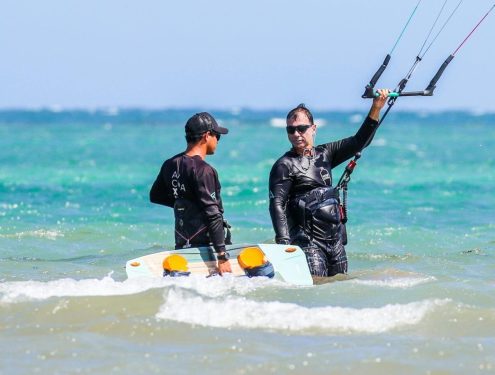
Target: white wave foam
[235,111]
[41,233]
[479,112]
[395,282]
[320,122]
[9,206]
[356,118]
[379,142]
[17,291]
[112,111]
[56,108]
[244,313]
[227,285]
[277,122]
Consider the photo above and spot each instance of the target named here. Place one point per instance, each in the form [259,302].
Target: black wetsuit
[304,206]
[191,187]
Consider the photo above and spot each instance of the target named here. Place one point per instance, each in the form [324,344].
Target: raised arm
[348,147]
[378,104]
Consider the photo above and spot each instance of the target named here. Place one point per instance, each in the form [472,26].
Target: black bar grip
[379,72]
[369,93]
[433,82]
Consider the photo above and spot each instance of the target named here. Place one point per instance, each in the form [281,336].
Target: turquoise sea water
[74,207]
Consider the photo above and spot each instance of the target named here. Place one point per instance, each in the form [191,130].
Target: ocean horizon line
[114,110]
[176,115]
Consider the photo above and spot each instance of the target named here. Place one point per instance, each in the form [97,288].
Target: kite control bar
[370,93]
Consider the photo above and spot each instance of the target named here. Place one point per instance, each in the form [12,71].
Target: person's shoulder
[326,147]
[286,158]
[174,158]
[284,162]
[199,162]
[323,147]
[201,166]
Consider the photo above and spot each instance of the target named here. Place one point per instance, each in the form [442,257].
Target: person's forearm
[216,232]
[374,113]
[279,221]
[378,104]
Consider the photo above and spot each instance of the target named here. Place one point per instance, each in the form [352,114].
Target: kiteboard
[282,262]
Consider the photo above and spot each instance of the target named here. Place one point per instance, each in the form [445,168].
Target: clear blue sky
[269,54]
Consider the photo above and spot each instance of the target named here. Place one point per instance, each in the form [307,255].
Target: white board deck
[288,261]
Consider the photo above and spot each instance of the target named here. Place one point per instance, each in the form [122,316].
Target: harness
[188,216]
[320,214]
[188,239]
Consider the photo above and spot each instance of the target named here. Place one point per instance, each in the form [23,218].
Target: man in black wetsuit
[304,206]
[191,187]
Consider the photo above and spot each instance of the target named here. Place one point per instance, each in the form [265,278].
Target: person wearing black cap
[189,185]
[304,207]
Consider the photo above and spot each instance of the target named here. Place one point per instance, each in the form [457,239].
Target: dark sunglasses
[300,128]
[216,135]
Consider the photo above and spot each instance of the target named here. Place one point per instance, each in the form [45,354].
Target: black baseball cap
[203,122]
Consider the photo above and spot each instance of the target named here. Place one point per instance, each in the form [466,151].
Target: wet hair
[193,138]
[292,115]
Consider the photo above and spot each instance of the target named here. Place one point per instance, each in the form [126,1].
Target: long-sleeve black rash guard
[293,175]
[191,186]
